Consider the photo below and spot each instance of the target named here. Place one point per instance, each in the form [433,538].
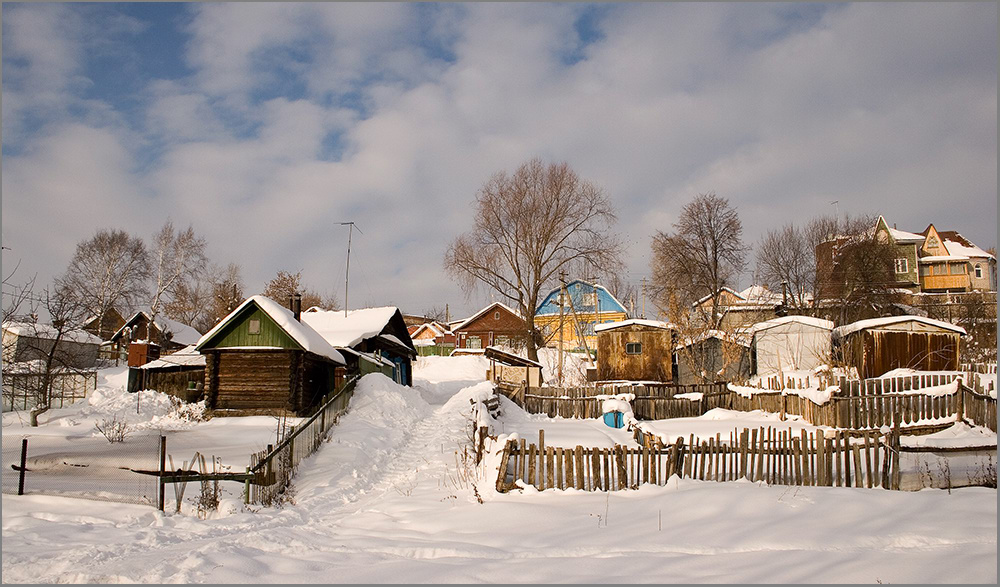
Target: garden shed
[181,374]
[506,367]
[713,356]
[878,345]
[635,350]
[790,343]
[262,359]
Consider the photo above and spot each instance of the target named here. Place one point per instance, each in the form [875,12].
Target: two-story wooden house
[584,305]
[951,263]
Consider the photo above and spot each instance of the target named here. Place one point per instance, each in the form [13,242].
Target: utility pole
[561,299]
[644,298]
[347,277]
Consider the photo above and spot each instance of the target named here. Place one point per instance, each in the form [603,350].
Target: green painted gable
[237,332]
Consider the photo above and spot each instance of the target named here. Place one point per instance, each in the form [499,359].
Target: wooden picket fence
[841,459]
[862,405]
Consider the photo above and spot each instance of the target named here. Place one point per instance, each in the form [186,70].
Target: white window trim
[904,263]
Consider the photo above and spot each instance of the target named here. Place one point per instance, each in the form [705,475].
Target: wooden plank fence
[867,404]
[838,459]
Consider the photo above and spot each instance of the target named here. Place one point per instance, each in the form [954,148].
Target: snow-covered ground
[391,499]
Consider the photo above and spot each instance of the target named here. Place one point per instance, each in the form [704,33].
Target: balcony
[941,282]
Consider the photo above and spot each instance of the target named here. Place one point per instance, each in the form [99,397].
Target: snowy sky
[266,125]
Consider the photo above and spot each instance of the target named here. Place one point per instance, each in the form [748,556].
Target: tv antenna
[347,277]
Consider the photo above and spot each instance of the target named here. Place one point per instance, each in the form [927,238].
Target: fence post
[163,469]
[24,461]
[960,401]
[246,488]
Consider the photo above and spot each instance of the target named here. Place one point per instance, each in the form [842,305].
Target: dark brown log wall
[255,380]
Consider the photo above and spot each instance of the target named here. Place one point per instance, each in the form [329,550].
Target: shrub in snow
[113,429]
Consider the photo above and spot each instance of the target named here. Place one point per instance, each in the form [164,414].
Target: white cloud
[886,108]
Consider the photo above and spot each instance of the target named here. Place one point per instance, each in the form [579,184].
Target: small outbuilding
[635,350]
[30,341]
[878,345]
[170,335]
[713,356]
[789,343]
[181,374]
[506,367]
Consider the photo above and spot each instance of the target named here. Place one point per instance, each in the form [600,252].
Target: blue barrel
[614,419]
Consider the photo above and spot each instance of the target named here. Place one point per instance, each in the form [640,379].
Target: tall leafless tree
[704,253]
[286,284]
[785,260]
[228,291]
[529,225]
[178,259]
[109,270]
[17,294]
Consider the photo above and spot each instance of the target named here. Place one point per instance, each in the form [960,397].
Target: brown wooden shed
[635,350]
[878,345]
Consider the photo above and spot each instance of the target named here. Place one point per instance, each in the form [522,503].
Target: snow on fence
[840,459]
[273,467]
[855,404]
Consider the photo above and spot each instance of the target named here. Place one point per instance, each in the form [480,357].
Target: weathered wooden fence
[837,459]
[867,404]
[273,467]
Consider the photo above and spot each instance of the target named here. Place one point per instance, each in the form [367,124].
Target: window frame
[633,348]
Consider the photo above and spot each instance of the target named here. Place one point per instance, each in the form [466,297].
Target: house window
[253,327]
[496,315]
[901,266]
[474,342]
[979,271]
[633,348]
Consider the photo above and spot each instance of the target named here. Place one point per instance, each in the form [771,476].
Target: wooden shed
[181,374]
[878,345]
[506,367]
[635,350]
[789,343]
[263,359]
[713,356]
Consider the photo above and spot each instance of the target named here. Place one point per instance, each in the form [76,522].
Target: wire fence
[87,468]
[21,390]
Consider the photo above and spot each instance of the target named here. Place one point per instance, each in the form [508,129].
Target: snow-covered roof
[393,339]
[48,332]
[704,299]
[941,258]
[484,311]
[435,328]
[306,337]
[180,333]
[370,357]
[842,331]
[965,250]
[809,320]
[347,331]
[186,357]
[500,354]
[902,235]
[738,337]
[633,322]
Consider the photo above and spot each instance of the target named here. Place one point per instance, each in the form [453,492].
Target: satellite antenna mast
[347,277]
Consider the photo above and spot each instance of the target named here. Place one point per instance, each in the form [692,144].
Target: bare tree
[228,291]
[529,225]
[704,253]
[786,260]
[17,294]
[178,259]
[47,352]
[286,284]
[109,270]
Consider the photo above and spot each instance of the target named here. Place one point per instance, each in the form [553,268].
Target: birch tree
[178,259]
[528,226]
[109,270]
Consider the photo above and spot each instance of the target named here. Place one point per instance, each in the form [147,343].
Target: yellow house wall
[549,324]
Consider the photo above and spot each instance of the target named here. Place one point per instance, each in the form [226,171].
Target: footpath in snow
[390,499]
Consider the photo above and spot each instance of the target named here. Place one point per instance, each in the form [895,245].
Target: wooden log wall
[836,459]
[254,380]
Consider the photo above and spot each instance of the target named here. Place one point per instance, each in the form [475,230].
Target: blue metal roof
[582,294]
